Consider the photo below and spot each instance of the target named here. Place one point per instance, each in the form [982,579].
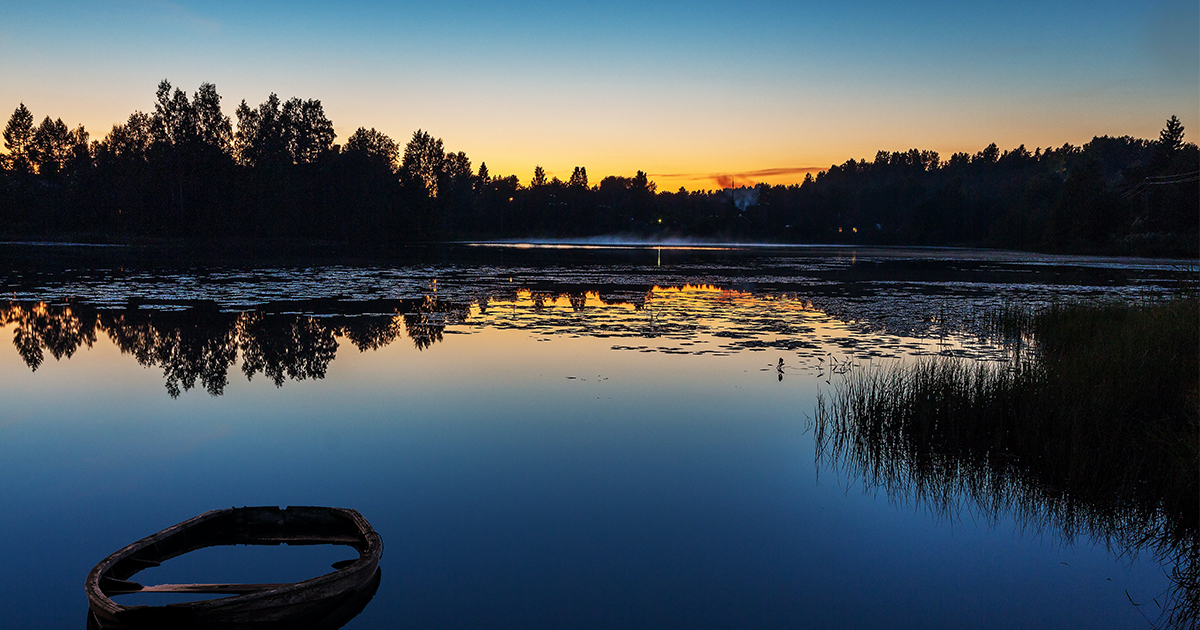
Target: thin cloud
[187,16]
[728,180]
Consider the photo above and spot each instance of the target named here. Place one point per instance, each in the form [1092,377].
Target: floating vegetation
[1096,432]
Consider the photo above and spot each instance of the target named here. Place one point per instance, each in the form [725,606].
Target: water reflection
[676,487]
[425,322]
[60,331]
[915,435]
[198,344]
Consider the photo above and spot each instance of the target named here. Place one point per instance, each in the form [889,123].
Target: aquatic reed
[1095,432]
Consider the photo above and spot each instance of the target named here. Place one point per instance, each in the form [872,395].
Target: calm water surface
[548,438]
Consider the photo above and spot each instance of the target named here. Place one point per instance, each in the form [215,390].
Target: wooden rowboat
[249,606]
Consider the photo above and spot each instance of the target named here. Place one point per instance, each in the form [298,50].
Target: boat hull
[254,606]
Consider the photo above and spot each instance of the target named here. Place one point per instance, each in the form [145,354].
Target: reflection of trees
[427,320]
[285,346]
[188,345]
[576,298]
[39,329]
[423,328]
[372,333]
[200,345]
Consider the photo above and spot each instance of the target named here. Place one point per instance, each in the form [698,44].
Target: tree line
[186,170]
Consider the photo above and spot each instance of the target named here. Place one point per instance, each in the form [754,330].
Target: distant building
[743,197]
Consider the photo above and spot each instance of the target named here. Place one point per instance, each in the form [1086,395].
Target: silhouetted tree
[455,171]
[184,170]
[130,140]
[307,132]
[1171,137]
[18,139]
[260,139]
[989,155]
[366,189]
[539,177]
[423,156]
[174,118]
[373,146]
[51,146]
[213,127]
[578,178]
[81,153]
[456,184]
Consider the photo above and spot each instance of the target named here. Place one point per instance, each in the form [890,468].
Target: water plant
[1095,431]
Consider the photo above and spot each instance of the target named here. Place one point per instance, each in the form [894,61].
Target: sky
[697,94]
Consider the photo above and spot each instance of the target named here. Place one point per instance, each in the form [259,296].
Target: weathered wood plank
[232,589]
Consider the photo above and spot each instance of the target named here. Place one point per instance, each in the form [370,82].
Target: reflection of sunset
[695,319]
[692,288]
[197,347]
[741,299]
[613,244]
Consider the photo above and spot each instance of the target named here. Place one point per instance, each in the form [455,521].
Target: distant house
[743,197]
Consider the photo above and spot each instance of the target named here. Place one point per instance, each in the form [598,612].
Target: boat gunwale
[358,572]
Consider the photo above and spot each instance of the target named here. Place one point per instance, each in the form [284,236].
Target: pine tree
[1170,141]
[18,136]
[1171,137]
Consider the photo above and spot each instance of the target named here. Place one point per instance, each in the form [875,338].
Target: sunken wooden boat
[249,606]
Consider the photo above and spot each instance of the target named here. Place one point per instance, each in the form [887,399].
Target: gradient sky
[686,91]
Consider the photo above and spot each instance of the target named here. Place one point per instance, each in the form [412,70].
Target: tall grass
[1096,431]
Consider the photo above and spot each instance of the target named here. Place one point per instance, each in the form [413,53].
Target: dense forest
[187,171]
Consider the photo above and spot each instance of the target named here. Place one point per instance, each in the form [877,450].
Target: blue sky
[692,89]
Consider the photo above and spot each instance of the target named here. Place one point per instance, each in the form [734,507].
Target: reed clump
[1094,431]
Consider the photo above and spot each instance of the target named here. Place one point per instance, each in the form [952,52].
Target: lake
[545,436]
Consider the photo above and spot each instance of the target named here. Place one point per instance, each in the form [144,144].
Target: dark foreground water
[544,438]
